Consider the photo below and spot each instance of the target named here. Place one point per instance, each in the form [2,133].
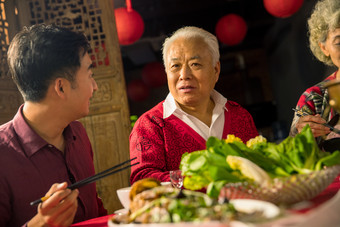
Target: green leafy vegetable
[295,155]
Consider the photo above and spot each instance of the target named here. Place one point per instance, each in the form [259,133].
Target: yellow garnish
[232,138]
[256,140]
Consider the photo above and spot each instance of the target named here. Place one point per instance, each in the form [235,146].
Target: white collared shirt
[170,107]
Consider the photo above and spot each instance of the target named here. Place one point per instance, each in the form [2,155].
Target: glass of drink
[176,178]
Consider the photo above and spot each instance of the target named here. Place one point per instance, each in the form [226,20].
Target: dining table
[322,210]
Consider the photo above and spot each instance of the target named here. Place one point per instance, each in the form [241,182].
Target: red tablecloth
[96,222]
[327,194]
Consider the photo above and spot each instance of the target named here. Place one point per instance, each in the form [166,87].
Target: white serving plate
[251,205]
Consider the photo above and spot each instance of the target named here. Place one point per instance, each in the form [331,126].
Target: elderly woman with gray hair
[191,113]
[324,37]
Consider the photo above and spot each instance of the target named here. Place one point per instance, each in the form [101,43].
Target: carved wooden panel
[105,136]
[108,123]
[10,98]
[4,39]
[83,15]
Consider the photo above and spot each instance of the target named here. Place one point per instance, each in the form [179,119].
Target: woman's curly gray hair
[324,18]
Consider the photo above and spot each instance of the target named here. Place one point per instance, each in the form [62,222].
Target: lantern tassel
[128,5]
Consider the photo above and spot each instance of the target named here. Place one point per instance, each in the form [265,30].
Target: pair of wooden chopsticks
[300,113]
[92,179]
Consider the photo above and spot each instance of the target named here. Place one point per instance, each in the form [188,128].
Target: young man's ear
[59,86]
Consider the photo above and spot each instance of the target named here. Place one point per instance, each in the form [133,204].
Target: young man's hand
[59,209]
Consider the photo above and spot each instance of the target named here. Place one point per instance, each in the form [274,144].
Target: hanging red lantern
[130,25]
[137,90]
[153,74]
[282,8]
[231,29]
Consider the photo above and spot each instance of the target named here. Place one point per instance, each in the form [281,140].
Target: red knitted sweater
[159,143]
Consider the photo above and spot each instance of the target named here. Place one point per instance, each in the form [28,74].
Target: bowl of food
[123,196]
[126,194]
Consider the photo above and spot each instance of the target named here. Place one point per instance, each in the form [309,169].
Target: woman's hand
[315,122]
[59,209]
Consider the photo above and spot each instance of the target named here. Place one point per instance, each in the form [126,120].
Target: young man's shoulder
[7,132]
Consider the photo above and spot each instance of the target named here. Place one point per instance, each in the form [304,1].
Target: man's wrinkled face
[190,71]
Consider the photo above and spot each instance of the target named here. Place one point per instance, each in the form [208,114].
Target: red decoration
[130,25]
[153,74]
[282,8]
[137,90]
[231,29]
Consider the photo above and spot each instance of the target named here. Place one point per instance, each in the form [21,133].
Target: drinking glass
[176,178]
[333,88]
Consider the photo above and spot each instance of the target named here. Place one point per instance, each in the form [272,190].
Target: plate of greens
[288,172]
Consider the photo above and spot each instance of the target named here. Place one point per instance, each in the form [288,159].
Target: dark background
[278,65]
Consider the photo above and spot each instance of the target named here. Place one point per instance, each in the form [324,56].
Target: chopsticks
[300,113]
[92,179]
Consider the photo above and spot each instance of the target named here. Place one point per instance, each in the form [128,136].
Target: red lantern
[130,25]
[153,74]
[137,91]
[282,8]
[231,29]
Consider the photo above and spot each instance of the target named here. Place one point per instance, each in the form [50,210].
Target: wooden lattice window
[81,15]
[4,39]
